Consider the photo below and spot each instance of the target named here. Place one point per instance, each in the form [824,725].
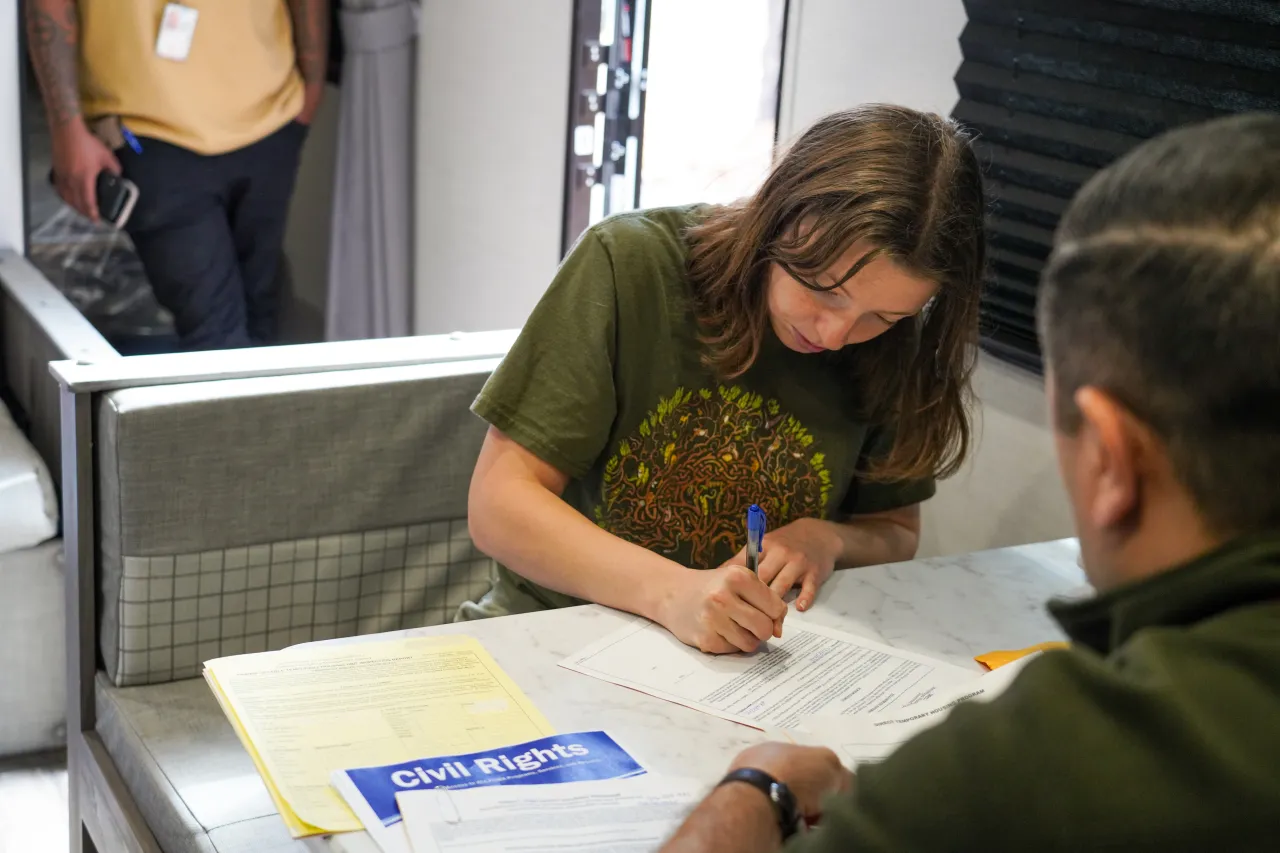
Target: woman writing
[807,349]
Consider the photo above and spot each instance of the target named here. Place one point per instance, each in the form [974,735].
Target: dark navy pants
[209,231]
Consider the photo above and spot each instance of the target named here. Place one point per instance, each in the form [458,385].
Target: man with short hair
[1160,728]
[204,106]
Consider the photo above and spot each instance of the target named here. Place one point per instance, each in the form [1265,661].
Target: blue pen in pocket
[756,523]
[130,139]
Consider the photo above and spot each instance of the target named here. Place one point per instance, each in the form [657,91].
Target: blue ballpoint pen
[755,537]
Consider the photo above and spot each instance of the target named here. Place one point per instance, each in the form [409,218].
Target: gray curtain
[371,250]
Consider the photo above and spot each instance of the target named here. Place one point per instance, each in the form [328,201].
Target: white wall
[1008,492]
[493,83]
[842,53]
[12,229]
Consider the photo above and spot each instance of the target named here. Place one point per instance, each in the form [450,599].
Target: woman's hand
[803,552]
[723,610]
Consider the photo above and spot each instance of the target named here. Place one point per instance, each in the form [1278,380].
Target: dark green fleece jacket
[1159,730]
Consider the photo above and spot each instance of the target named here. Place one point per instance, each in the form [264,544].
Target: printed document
[811,670]
[578,757]
[621,816]
[305,712]
[867,740]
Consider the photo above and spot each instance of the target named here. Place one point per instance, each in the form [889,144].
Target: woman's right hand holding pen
[723,610]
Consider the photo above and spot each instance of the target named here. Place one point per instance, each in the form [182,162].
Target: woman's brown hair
[907,183]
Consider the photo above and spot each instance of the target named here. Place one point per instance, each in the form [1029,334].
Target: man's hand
[78,158]
[723,610]
[311,103]
[736,817]
[311,51]
[803,552]
[812,773]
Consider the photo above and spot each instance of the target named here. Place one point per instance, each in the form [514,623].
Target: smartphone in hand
[116,198]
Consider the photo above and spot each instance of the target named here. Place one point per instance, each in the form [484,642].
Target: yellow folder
[305,712]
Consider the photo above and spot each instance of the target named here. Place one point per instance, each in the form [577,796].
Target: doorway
[673,102]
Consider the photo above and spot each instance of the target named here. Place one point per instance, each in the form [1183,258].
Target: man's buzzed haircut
[1164,291]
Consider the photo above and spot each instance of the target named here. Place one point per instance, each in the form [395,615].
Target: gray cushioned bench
[214,516]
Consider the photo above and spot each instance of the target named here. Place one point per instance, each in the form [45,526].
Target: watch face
[788,814]
[781,794]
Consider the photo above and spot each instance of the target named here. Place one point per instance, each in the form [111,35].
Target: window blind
[1057,89]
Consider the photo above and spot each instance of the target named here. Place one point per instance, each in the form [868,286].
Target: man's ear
[1110,455]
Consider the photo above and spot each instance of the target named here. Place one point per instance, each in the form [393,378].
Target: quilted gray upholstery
[247,515]
[177,612]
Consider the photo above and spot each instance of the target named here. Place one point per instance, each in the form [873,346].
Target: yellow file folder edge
[297,826]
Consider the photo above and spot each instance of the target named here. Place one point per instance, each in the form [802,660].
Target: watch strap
[780,796]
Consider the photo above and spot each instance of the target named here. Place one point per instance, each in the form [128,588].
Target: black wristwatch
[784,802]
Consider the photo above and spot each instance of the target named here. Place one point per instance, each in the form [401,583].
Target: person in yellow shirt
[204,105]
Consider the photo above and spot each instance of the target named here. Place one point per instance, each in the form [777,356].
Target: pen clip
[130,139]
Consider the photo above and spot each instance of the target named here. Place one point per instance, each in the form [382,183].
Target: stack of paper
[306,712]
[372,792]
[632,815]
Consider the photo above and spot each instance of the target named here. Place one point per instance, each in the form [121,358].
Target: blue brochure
[578,757]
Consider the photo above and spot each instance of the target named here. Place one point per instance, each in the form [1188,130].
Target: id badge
[177,29]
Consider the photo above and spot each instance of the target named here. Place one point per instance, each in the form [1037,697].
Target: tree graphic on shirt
[680,485]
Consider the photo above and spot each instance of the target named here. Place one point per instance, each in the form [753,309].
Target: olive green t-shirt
[606,383]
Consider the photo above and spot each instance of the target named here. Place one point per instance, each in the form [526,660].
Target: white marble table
[951,607]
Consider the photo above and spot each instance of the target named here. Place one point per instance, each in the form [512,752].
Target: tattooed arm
[53,32]
[311,49]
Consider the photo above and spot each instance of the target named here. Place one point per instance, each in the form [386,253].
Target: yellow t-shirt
[238,84]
